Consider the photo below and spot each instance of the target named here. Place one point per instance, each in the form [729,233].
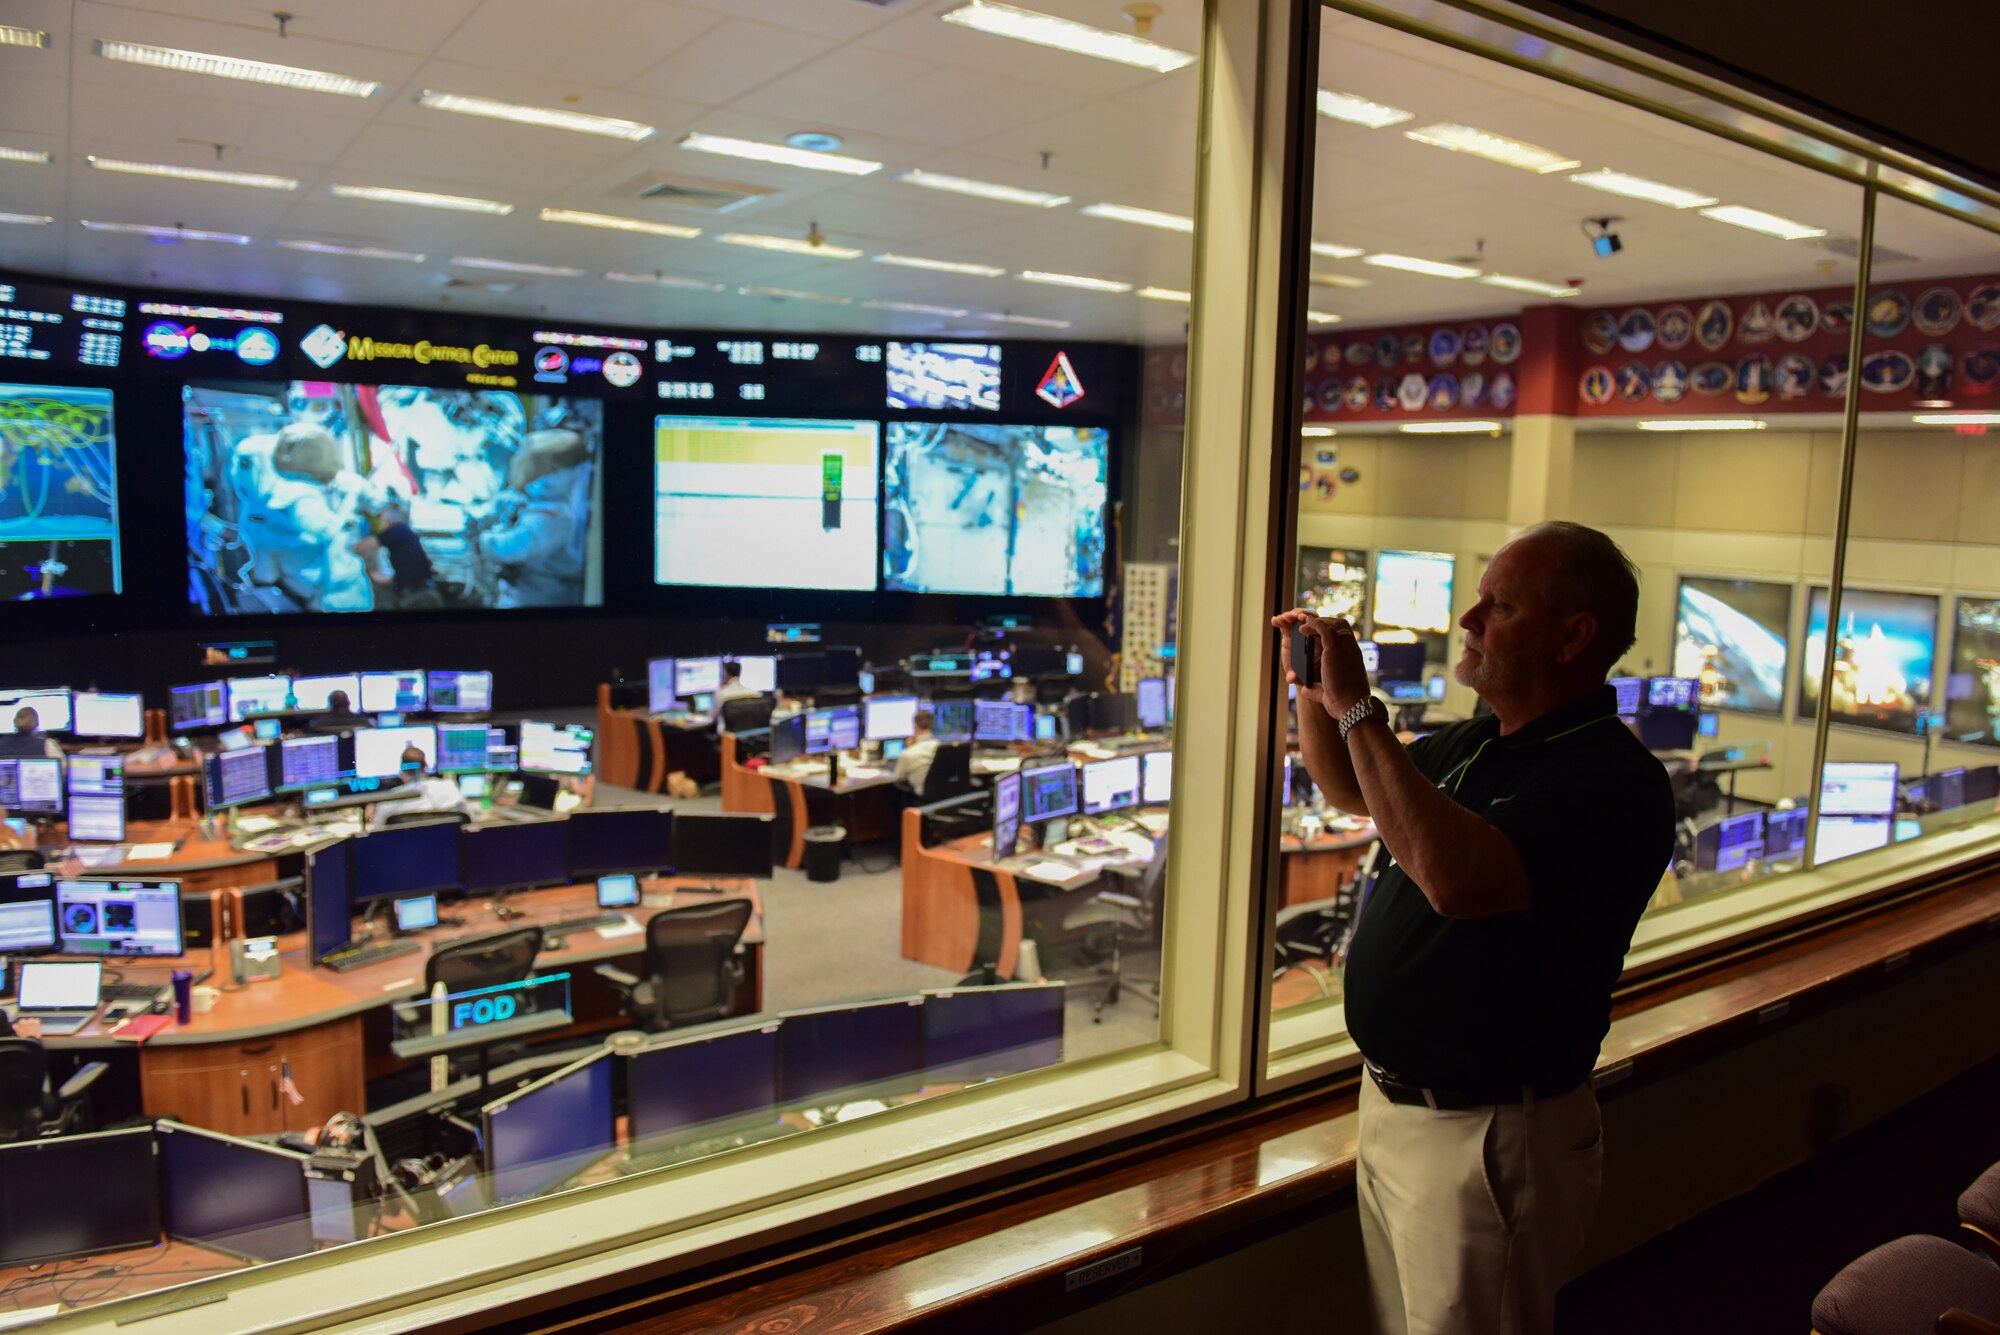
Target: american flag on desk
[286,1085]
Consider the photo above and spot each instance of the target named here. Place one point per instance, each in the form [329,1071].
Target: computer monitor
[550,748]
[1399,662]
[758,671]
[798,674]
[27,913]
[660,697]
[1006,814]
[455,692]
[232,778]
[788,738]
[951,720]
[1844,836]
[1157,778]
[514,855]
[1858,788]
[400,860]
[849,1052]
[315,694]
[1371,657]
[268,728]
[462,748]
[31,786]
[308,762]
[887,716]
[604,840]
[866,681]
[697,676]
[617,892]
[547,1132]
[1982,783]
[201,705]
[1002,721]
[1299,787]
[392,692]
[1048,791]
[1730,842]
[685,1086]
[99,715]
[416,913]
[1784,833]
[1111,785]
[78,1195]
[96,798]
[983,1033]
[832,730]
[1152,702]
[717,844]
[330,897]
[258,695]
[378,752]
[1709,726]
[237,1196]
[51,706]
[1947,789]
[1681,693]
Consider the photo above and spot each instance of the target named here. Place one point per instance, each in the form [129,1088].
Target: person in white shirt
[732,688]
[433,793]
[914,765]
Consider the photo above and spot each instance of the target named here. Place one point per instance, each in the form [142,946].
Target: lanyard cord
[1457,776]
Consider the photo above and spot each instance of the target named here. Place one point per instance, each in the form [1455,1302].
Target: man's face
[1512,637]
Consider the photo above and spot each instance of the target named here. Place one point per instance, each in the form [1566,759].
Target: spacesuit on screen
[300,514]
[540,536]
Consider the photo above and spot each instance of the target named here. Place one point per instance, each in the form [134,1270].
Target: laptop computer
[62,996]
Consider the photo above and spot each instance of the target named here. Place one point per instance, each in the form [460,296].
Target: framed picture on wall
[1972,687]
[1333,581]
[1732,635]
[1885,661]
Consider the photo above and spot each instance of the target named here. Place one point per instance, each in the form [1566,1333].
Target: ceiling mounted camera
[1604,243]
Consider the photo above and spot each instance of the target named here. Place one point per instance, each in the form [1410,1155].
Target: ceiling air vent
[693,192]
[1848,247]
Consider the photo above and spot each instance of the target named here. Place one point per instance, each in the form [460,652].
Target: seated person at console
[339,715]
[26,739]
[433,793]
[914,765]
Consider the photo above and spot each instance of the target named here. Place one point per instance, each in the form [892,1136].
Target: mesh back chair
[746,713]
[950,774]
[484,961]
[1916,1283]
[1979,1210]
[22,859]
[28,1109]
[691,966]
[1130,912]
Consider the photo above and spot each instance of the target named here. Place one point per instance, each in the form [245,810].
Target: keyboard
[565,926]
[128,992]
[362,956]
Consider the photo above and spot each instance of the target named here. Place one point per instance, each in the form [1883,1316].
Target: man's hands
[1343,676]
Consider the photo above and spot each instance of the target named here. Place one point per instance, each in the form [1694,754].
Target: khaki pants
[1473,1220]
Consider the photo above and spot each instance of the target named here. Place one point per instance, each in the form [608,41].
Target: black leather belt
[1458,1100]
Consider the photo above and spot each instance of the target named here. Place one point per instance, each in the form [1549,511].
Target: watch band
[1369,707]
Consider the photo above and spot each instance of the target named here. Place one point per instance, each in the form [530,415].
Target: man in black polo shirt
[1520,850]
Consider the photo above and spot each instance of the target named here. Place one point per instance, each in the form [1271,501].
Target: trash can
[824,846]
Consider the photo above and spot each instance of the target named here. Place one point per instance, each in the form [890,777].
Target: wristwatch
[1368,708]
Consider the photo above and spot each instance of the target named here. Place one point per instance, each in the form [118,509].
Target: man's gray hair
[1591,573]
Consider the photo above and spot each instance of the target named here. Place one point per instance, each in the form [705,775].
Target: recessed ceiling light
[424,199]
[1169,222]
[1038,321]
[11,36]
[256,180]
[1956,419]
[1534,285]
[915,308]
[1336,280]
[515,266]
[792,294]
[1410,264]
[27,219]
[1326,250]
[1638,187]
[1449,428]
[547,117]
[1026,25]
[942,266]
[167,233]
[618,224]
[960,185]
[1318,431]
[1770,224]
[665,280]
[350,252]
[229,67]
[25,155]
[816,141]
[1359,110]
[1165,294]
[1704,424]
[1492,147]
[1073,280]
[789,245]
[1322,317]
[779,154]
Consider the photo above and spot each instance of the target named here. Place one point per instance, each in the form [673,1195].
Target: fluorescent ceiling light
[1073,280]
[1322,317]
[424,199]
[779,153]
[515,266]
[664,280]
[1336,280]
[1704,424]
[1359,110]
[254,179]
[792,294]
[915,308]
[1956,419]
[25,155]
[351,252]
[1638,187]
[27,219]
[617,224]
[1169,222]
[1026,25]
[229,67]
[547,117]
[789,245]
[960,185]
[1165,294]
[167,233]
[1410,264]
[1318,431]
[942,266]
[1492,147]
[1448,428]
[1039,321]
[1770,224]
[1534,285]
[10,36]
[1328,251]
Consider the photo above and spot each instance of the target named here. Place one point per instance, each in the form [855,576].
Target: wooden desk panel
[635,750]
[959,910]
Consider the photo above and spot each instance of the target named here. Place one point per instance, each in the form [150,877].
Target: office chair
[1131,914]
[28,1110]
[1913,1283]
[484,961]
[691,966]
[950,774]
[747,713]
[22,859]
[1979,1210]
[1052,688]
[426,818]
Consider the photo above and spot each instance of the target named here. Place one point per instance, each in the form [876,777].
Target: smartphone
[1305,655]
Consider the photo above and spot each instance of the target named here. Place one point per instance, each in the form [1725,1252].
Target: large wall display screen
[995,509]
[944,375]
[1730,635]
[1884,658]
[317,497]
[58,329]
[751,502]
[1413,591]
[58,492]
[1972,691]
[1333,581]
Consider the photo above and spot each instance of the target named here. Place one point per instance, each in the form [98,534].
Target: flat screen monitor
[1858,788]
[1732,636]
[546,1133]
[1399,661]
[983,1033]
[788,738]
[27,913]
[1728,844]
[1885,659]
[238,1196]
[454,692]
[1627,690]
[1333,582]
[330,896]
[400,860]
[502,485]
[660,697]
[1157,777]
[31,786]
[393,692]
[1152,693]
[990,509]
[1048,791]
[416,913]
[200,705]
[834,1053]
[1784,833]
[232,778]
[378,752]
[1982,783]
[463,748]
[1682,694]
[759,672]
[101,715]
[79,1195]
[59,507]
[315,694]
[1844,836]
[1006,814]
[51,706]
[553,748]
[717,844]
[97,818]
[308,762]
[697,676]
[1110,785]
[952,720]
[1413,591]
[604,840]
[258,695]
[1947,789]
[514,855]
[1002,721]
[689,1086]
[833,730]
[944,376]
[798,674]
[1299,787]
[1972,690]
[806,488]
[888,716]
[619,891]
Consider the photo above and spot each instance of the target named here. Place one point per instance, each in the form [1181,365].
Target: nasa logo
[552,365]
[166,340]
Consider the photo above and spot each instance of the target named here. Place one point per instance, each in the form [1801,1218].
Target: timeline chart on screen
[181,335]
[56,328]
[58,492]
[717,373]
